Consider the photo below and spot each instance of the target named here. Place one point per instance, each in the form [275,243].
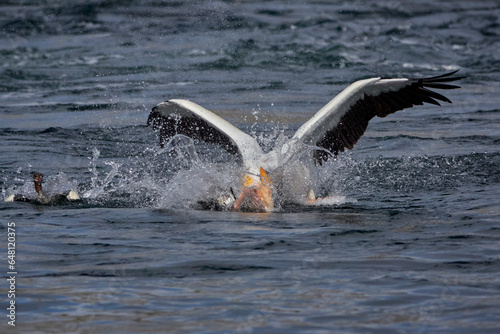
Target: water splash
[175,176]
[93,167]
[98,187]
[185,148]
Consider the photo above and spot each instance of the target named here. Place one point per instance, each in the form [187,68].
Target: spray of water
[171,177]
[183,175]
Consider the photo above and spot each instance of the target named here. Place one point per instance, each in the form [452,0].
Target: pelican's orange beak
[256,194]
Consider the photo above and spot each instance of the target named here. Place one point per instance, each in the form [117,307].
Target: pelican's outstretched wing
[340,123]
[187,118]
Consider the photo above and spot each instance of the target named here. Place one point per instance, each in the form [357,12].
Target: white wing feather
[247,145]
[330,115]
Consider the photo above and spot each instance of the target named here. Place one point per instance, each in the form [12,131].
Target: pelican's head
[256,193]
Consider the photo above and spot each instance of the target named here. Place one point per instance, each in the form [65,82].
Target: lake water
[410,242]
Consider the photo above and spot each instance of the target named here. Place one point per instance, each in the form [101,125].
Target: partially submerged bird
[285,171]
[41,196]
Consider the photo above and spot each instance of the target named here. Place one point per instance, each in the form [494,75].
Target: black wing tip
[446,77]
[445,74]
[438,82]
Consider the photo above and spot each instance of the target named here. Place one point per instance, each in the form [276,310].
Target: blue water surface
[410,242]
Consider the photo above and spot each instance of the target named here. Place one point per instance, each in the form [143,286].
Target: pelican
[285,171]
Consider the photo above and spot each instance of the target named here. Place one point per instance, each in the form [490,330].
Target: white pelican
[284,171]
